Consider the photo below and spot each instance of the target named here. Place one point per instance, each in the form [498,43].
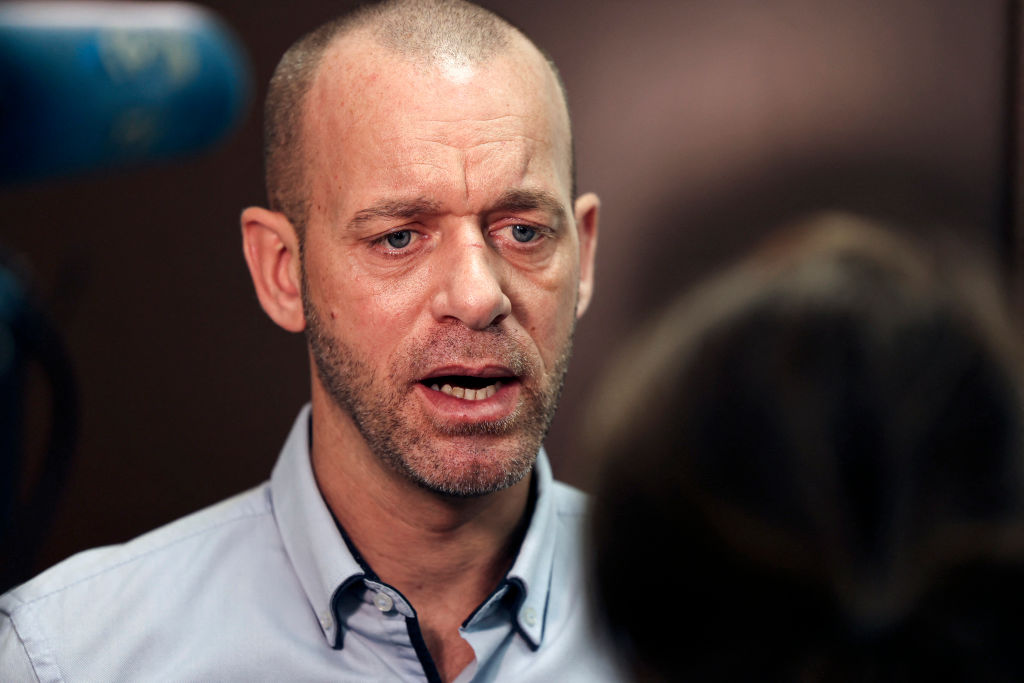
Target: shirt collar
[314,546]
[530,574]
[323,562]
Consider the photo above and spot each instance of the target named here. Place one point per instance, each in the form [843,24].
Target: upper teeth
[468,394]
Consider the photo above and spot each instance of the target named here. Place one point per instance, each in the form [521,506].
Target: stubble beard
[461,460]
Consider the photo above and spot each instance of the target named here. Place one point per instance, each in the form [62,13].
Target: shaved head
[446,34]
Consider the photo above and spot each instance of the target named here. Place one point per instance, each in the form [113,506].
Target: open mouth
[465,386]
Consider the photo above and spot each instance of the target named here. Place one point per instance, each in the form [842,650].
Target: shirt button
[325,620]
[530,616]
[383,601]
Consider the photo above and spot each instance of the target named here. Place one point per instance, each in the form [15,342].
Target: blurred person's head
[813,471]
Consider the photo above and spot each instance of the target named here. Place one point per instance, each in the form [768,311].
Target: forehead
[375,117]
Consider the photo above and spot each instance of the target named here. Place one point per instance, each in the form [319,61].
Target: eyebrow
[530,200]
[511,200]
[395,208]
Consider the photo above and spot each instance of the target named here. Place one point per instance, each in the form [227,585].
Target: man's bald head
[447,33]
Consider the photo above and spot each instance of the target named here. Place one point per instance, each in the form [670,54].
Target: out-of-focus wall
[701,125]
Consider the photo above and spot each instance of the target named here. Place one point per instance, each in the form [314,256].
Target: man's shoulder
[211,595]
[148,554]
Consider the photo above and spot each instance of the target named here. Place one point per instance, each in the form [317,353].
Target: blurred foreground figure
[827,439]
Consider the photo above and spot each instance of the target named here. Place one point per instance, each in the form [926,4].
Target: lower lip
[490,409]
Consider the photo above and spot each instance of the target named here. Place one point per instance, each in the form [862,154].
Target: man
[422,232]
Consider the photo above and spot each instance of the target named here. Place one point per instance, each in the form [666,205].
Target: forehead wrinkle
[521,162]
[456,146]
[486,119]
[470,132]
[476,163]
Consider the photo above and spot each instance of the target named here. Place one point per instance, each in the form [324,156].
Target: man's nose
[470,285]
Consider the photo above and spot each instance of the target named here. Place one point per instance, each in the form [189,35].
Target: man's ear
[271,248]
[586,209]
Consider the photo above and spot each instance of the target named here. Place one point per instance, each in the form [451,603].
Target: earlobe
[586,210]
[271,249]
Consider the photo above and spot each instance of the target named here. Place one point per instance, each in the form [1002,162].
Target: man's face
[442,260]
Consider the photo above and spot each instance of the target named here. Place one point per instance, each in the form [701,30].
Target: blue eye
[523,233]
[399,240]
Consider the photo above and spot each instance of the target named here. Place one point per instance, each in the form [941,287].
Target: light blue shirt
[262,586]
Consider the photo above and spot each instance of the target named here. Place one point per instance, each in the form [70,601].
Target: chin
[468,474]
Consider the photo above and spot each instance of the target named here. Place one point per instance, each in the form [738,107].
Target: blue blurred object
[92,85]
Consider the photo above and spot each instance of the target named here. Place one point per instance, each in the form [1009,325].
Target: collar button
[383,601]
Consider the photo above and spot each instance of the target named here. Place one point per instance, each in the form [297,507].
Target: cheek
[546,307]
[373,312]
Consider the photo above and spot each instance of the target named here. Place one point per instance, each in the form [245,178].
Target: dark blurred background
[700,124]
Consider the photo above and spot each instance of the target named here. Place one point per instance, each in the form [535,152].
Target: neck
[442,552]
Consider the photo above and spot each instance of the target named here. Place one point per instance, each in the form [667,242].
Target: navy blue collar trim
[339,594]
[420,645]
[517,604]
[465,622]
[350,582]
